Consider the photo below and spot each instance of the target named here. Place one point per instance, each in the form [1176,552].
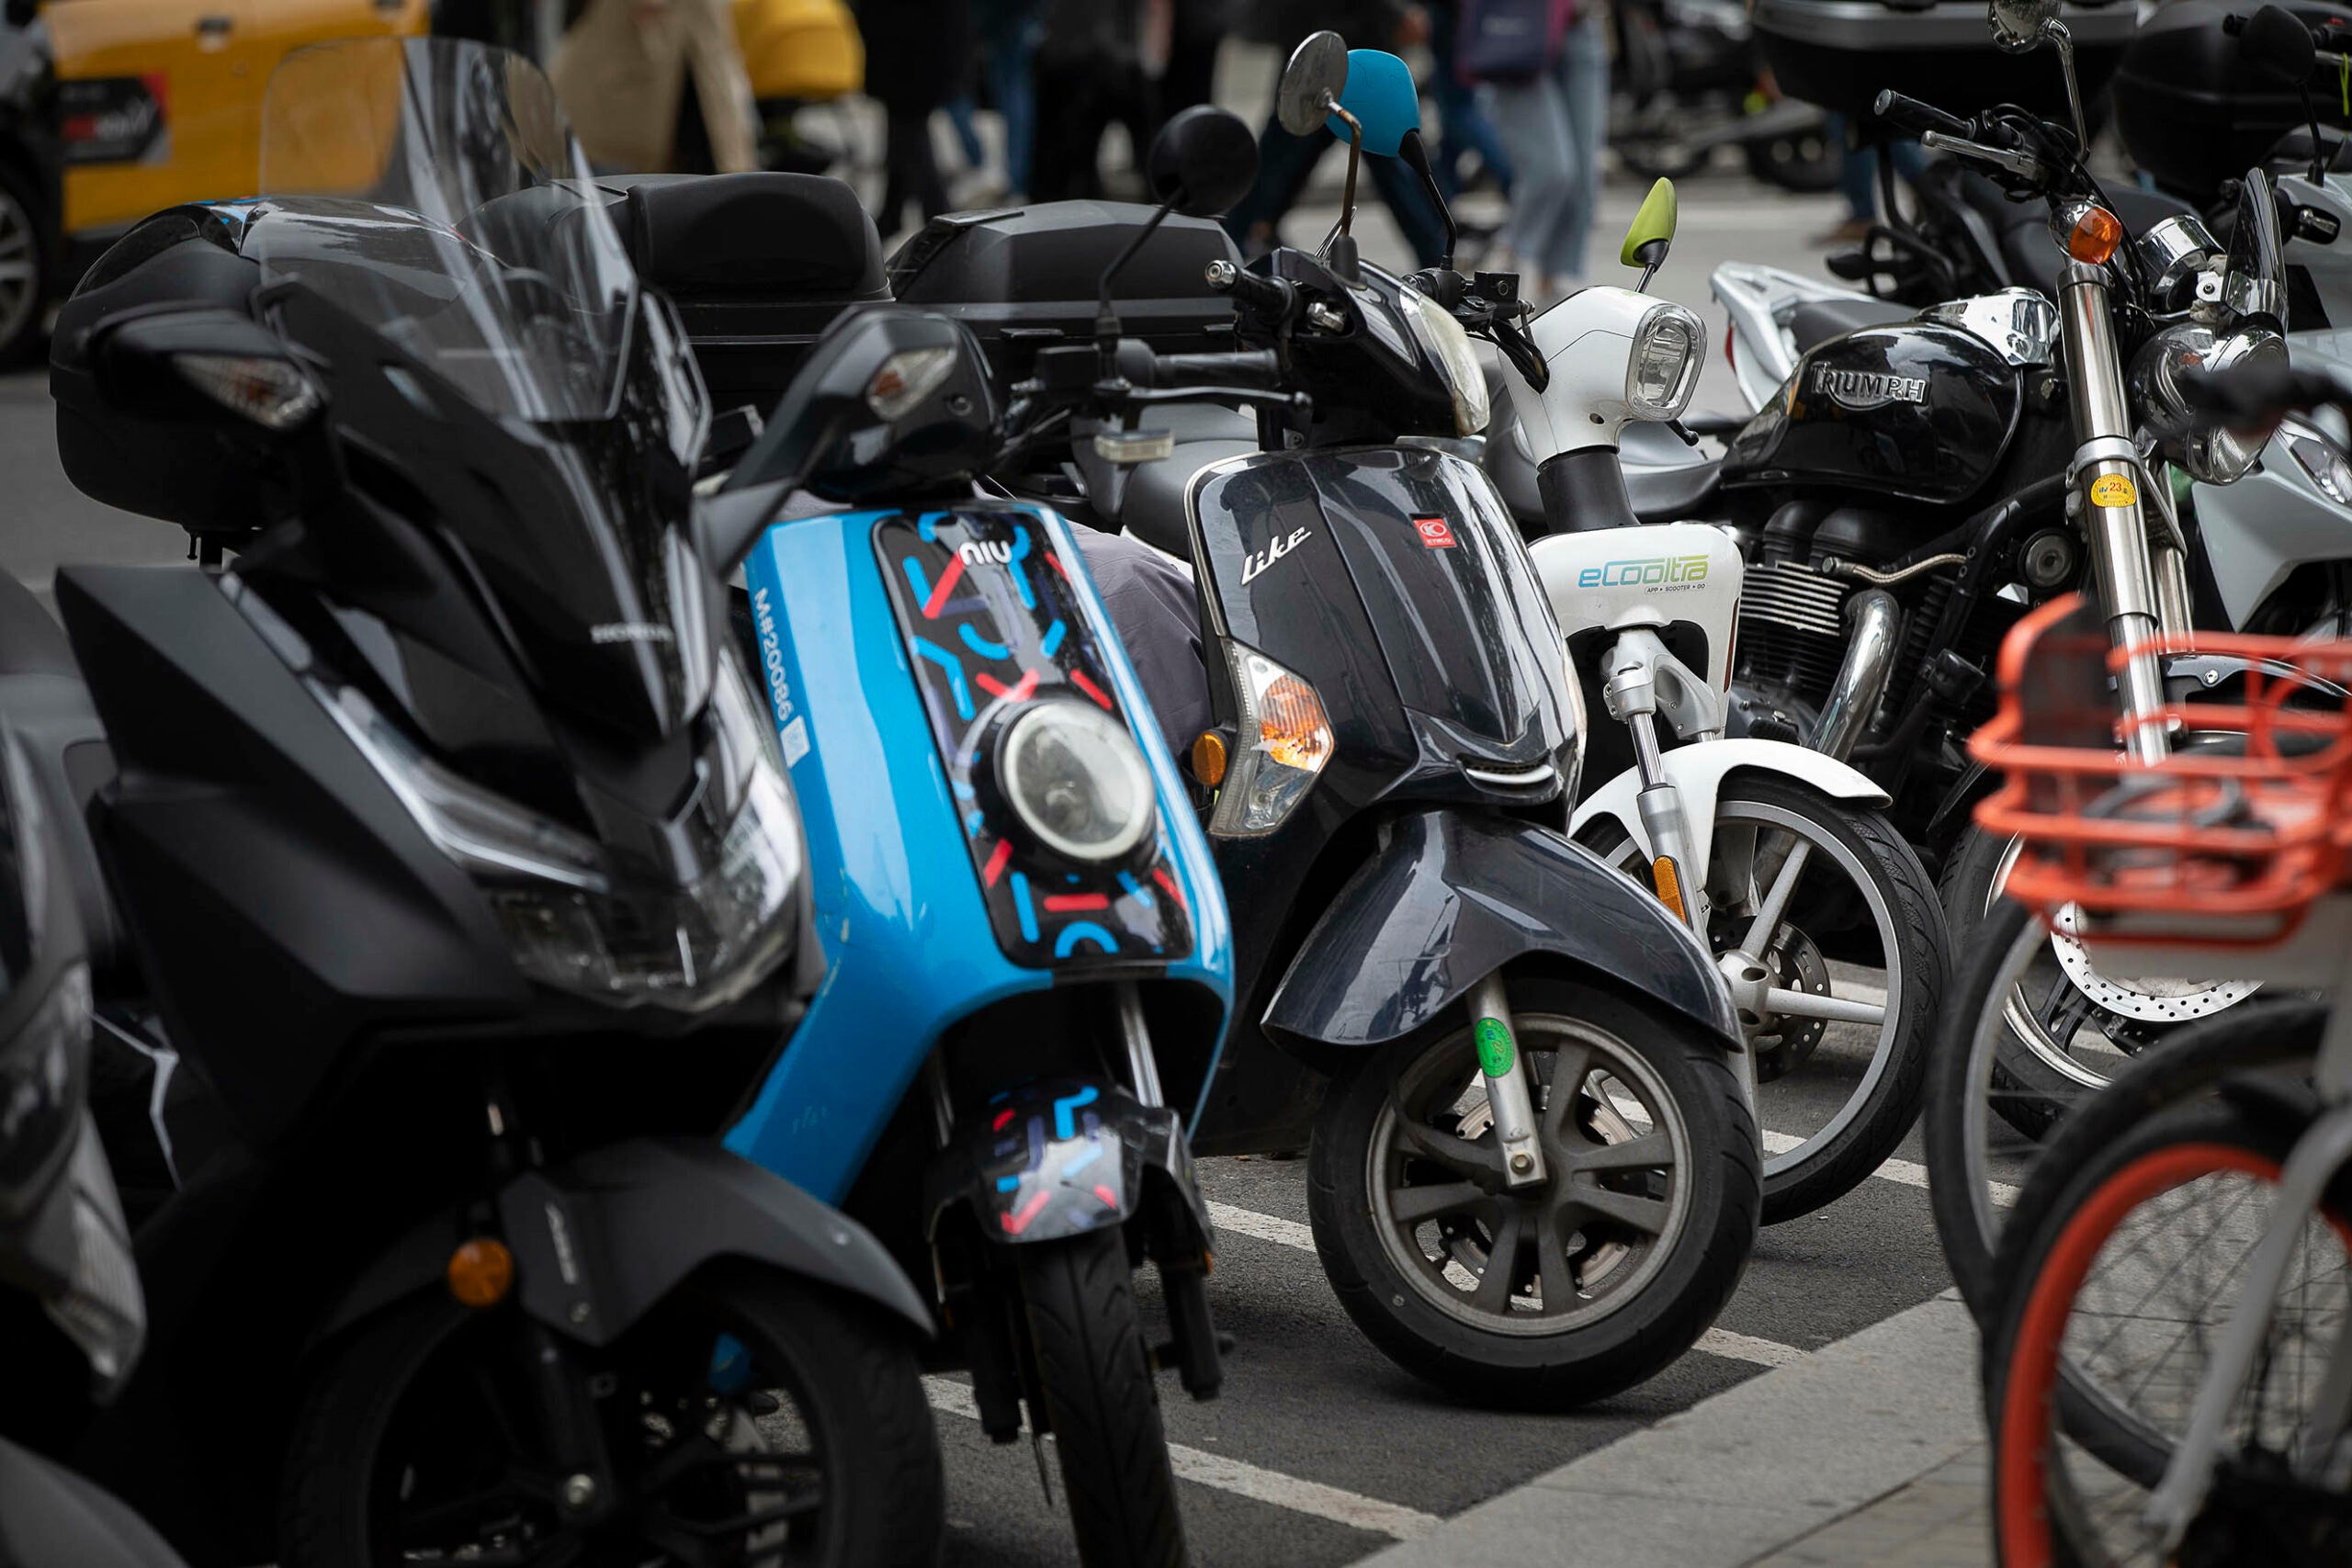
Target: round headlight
[1442,339]
[2212,455]
[1077,779]
[1669,349]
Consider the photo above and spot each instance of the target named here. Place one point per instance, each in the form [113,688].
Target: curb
[1749,1470]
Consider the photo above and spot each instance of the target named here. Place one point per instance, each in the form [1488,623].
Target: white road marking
[1349,1509]
[1908,1172]
[1290,1233]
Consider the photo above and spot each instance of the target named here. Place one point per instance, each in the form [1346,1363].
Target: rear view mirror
[2018,25]
[1380,96]
[1203,160]
[1312,83]
[2276,43]
[214,366]
[1651,235]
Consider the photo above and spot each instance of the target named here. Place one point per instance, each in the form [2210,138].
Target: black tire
[2162,1103]
[1794,1186]
[373,1416]
[1652,1326]
[1805,161]
[1102,1403]
[24,239]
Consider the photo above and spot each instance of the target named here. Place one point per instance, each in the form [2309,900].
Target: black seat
[1147,499]
[44,701]
[1817,320]
[1672,495]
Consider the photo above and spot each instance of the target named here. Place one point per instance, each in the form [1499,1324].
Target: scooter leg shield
[600,1240]
[1058,1158]
[1447,900]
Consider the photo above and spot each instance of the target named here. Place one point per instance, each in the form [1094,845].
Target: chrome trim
[1542,773]
[2172,250]
[1860,685]
[2018,324]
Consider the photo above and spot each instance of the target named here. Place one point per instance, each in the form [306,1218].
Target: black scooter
[1534,1177]
[439,842]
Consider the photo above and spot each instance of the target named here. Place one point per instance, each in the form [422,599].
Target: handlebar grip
[2256,396]
[1268,298]
[1249,367]
[1909,114]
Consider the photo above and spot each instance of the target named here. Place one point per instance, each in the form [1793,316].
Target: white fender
[1698,772]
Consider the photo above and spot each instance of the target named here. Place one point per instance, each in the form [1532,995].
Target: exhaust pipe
[1875,621]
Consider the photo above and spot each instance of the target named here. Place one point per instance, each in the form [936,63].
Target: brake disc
[2143,997]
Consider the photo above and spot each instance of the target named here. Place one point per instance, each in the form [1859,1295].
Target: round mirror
[2017,24]
[1204,159]
[2276,43]
[1312,83]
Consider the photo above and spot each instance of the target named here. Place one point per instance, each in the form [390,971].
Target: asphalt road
[1319,1450]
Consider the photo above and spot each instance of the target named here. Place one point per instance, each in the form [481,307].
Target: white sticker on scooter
[1257,561]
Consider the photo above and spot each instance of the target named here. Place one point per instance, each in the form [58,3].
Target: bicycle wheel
[2124,1266]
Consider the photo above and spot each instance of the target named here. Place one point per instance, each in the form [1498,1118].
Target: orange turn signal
[1208,758]
[1292,725]
[481,1271]
[2095,234]
[1668,883]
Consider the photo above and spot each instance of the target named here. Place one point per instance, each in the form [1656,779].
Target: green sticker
[1494,1046]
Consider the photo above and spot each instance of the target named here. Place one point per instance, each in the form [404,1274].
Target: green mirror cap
[1653,225]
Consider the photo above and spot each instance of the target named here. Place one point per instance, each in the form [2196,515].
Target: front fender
[599,1241]
[1447,900]
[1698,774]
[1059,1158]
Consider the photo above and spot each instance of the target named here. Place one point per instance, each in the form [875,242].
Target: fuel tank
[1911,412]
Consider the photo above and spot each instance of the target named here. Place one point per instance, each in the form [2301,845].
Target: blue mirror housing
[1381,95]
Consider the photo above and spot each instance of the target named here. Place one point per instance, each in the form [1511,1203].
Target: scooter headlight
[1077,781]
[1669,349]
[1285,740]
[1448,346]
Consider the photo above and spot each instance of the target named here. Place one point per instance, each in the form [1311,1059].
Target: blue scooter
[1029,962]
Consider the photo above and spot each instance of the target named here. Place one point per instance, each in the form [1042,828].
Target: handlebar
[1268,298]
[1257,369]
[1909,114]
[2256,397]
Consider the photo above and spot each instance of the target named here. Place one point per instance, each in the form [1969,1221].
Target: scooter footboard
[1059,1158]
[1447,900]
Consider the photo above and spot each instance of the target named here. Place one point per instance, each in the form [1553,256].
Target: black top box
[2193,113]
[1842,54]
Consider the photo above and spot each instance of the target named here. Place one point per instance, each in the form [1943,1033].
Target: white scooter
[1777,854]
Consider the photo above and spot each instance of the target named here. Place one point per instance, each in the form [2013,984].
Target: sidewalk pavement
[1868,1453]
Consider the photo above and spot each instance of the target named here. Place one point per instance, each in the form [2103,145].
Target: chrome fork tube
[1143,1067]
[1509,1096]
[2108,474]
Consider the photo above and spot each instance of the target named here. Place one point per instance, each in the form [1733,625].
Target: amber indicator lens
[481,1271]
[2095,234]
[1291,726]
[1669,887]
[1208,758]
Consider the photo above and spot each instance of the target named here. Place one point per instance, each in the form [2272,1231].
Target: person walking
[1090,72]
[1285,161]
[918,53]
[1553,120]
[621,73]
[1462,128]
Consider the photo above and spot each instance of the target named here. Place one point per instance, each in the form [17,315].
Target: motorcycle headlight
[2322,459]
[720,922]
[1285,739]
[2212,453]
[1448,346]
[1077,781]
[1669,349]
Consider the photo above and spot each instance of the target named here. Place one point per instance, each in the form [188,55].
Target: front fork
[2142,584]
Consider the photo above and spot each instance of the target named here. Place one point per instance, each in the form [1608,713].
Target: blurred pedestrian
[1857,179]
[1090,75]
[1197,31]
[918,56]
[1286,162]
[1463,129]
[622,71]
[1551,106]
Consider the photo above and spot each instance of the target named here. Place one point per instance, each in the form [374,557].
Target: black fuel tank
[1910,412]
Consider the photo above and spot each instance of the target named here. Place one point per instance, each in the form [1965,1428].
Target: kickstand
[1044,1476]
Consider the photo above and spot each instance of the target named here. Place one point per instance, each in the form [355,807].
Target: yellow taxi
[111,109]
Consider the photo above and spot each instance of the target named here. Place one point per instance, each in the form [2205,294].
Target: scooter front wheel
[1102,1403]
[1566,1290]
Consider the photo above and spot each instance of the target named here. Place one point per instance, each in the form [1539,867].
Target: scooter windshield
[443,202]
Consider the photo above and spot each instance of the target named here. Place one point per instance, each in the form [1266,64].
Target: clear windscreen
[430,187]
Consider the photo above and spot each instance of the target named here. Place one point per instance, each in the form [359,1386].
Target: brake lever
[2025,166]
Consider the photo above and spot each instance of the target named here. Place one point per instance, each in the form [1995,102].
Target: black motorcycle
[437,851]
[74,1315]
[1690,81]
[1532,1175]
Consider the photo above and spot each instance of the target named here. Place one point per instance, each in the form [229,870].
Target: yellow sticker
[2113,489]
